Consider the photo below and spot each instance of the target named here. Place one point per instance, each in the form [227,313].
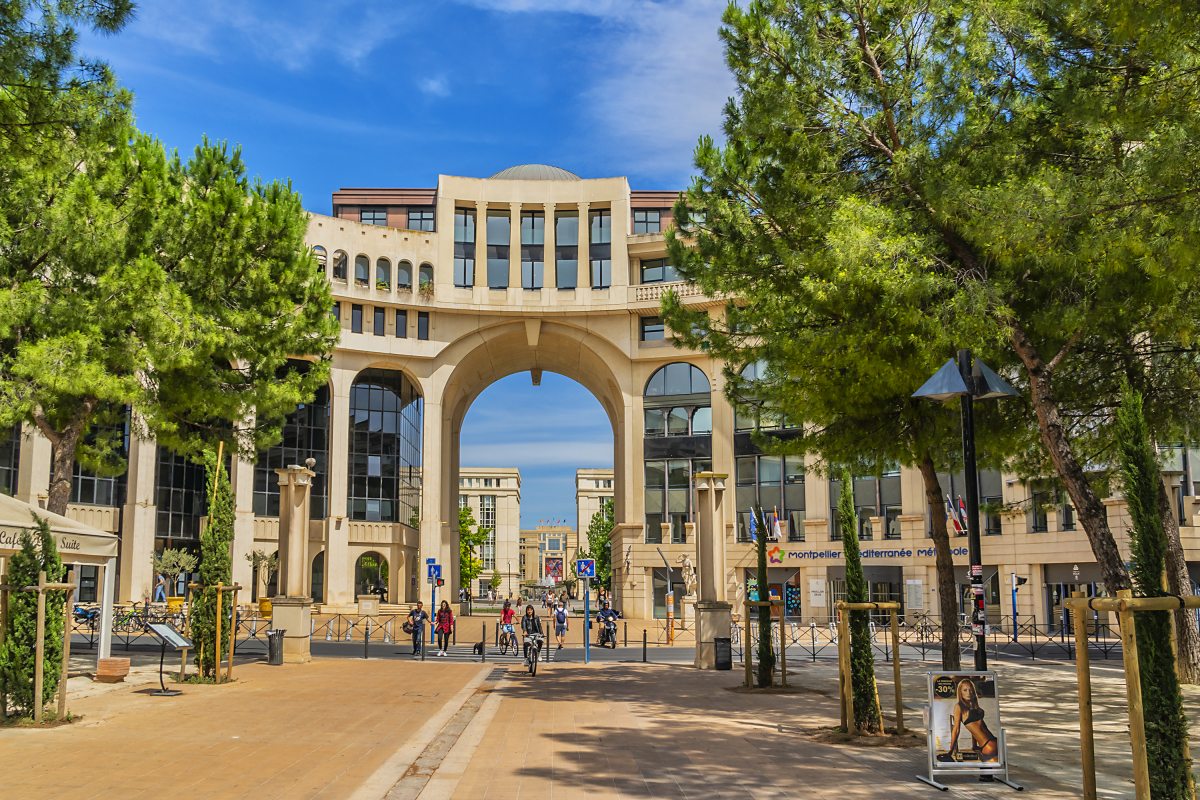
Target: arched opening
[362,269]
[340,262]
[371,575]
[322,259]
[404,276]
[383,274]
[426,277]
[318,578]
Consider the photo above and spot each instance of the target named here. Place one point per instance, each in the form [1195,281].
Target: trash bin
[723,652]
[275,647]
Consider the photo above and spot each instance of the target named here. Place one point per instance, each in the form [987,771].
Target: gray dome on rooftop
[534,172]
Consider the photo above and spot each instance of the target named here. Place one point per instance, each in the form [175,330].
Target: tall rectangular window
[379,326]
[422,325]
[179,495]
[356,318]
[464,247]
[10,460]
[600,248]
[373,216]
[566,249]
[776,485]
[498,239]
[647,220]
[668,492]
[401,324]
[533,240]
[89,488]
[487,519]
[305,435]
[420,218]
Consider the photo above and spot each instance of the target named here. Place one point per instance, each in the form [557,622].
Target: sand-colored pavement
[313,730]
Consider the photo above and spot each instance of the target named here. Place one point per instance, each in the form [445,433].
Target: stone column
[585,242]
[713,614]
[242,479]
[33,477]
[549,264]
[138,521]
[338,569]
[480,243]
[514,250]
[432,446]
[291,610]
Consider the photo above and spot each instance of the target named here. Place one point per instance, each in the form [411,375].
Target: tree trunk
[1187,635]
[1088,508]
[64,442]
[947,587]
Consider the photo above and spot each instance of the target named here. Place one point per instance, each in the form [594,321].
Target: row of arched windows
[383,271]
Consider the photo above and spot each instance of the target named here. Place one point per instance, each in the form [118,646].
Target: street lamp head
[948,384]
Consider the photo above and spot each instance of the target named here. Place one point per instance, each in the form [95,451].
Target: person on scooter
[608,625]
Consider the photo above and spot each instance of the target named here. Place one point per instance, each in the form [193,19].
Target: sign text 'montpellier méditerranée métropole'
[866,552]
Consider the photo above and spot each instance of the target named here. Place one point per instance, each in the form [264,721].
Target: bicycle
[534,648]
[507,639]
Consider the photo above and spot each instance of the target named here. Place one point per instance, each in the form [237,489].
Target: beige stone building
[494,496]
[441,292]
[556,547]
[592,487]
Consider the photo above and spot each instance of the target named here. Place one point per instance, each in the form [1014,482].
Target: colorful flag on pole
[952,515]
[962,512]
[777,533]
[753,527]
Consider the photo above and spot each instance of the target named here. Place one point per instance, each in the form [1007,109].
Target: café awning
[77,543]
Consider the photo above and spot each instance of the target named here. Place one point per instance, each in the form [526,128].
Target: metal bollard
[626,634]
[367,640]
[643,645]
[483,642]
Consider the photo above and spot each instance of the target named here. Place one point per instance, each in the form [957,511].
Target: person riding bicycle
[531,629]
[506,620]
[608,624]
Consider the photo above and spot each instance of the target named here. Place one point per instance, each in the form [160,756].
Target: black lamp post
[969,380]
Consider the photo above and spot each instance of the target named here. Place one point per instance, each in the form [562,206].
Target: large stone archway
[472,364]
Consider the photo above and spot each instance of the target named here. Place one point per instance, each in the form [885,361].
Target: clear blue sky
[396,93]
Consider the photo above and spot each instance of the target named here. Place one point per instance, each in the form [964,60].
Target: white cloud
[438,86]
[294,35]
[526,455]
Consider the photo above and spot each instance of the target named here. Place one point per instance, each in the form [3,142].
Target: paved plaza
[403,729]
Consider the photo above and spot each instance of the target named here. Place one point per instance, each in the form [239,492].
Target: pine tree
[862,660]
[766,648]
[1162,700]
[215,568]
[17,655]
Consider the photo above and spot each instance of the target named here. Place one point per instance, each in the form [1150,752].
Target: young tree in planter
[862,660]
[171,563]
[215,568]
[1162,700]
[766,648]
[17,655]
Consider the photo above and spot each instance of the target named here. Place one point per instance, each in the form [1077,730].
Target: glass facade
[180,496]
[10,460]
[498,233]
[669,497]
[533,241]
[776,485]
[305,435]
[566,249]
[90,488]
[464,247]
[990,500]
[873,497]
[384,472]
[600,248]
[677,378]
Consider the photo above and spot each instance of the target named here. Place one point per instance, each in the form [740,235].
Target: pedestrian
[443,625]
[380,589]
[416,622]
[561,624]
[160,590]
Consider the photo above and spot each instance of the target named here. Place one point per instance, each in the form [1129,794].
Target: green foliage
[38,553]
[171,563]
[1162,700]
[215,568]
[766,647]
[469,562]
[496,580]
[902,180]
[599,529]
[862,660]
[131,277]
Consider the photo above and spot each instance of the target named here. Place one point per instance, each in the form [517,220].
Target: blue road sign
[431,561]
[435,571]
[586,567]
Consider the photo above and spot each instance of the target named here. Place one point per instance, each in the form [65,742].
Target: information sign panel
[169,635]
[586,567]
[963,724]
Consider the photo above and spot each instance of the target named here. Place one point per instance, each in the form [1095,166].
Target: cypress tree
[17,656]
[862,660]
[215,567]
[766,651]
[1162,700]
